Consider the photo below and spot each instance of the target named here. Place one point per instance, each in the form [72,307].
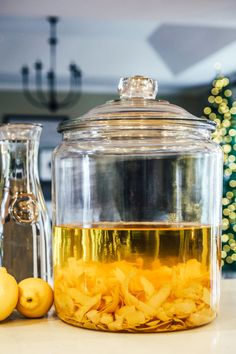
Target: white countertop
[51,336]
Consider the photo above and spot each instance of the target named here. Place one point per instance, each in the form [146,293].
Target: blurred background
[180,43]
[183,44]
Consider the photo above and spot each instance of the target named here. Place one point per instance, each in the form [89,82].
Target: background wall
[14,102]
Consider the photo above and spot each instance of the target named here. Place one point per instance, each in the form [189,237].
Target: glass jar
[25,230]
[136,212]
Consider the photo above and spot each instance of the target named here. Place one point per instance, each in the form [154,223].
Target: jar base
[172,326]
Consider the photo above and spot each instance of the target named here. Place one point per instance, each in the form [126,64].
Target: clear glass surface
[136,216]
[25,230]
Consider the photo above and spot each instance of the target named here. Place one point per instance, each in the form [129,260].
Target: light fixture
[49,99]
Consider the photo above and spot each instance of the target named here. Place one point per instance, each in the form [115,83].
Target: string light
[222,110]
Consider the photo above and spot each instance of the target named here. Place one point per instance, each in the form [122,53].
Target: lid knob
[137,87]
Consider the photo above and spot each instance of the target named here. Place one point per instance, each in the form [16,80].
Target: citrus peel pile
[121,296]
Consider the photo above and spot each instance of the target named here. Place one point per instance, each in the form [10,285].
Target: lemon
[35,297]
[8,293]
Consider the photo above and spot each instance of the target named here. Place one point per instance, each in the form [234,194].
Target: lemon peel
[134,299]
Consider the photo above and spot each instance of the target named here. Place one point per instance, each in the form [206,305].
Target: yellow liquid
[136,277]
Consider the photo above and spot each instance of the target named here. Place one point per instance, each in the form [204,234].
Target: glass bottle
[136,213]
[25,230]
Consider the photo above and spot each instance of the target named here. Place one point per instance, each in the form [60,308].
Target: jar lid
[137,105]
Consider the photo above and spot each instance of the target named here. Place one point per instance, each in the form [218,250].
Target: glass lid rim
[77,123]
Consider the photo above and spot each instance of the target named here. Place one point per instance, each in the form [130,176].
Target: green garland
[222,110]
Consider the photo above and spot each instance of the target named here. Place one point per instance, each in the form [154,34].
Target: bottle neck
[19,145]
[19,165]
